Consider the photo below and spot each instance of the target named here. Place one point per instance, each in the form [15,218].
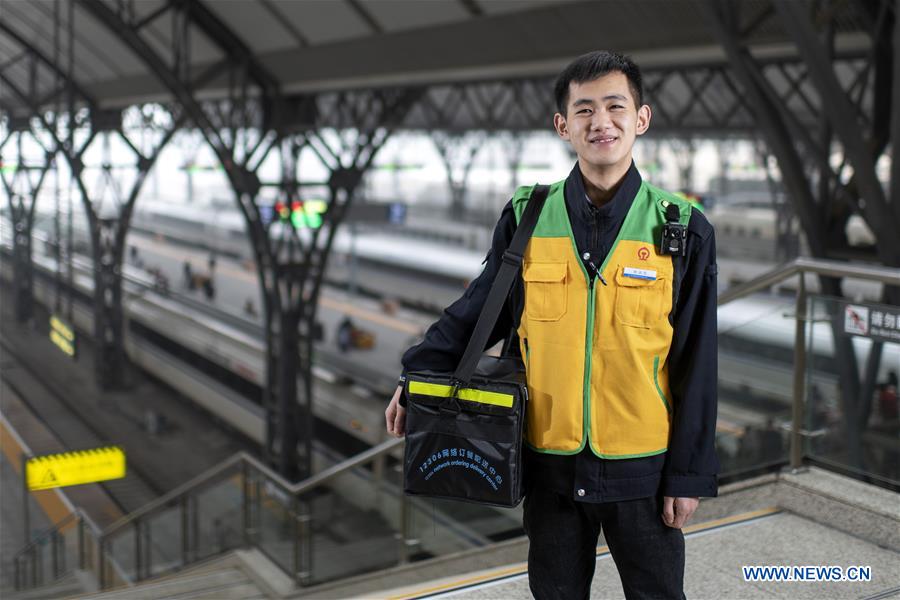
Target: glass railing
[756,370]
[73,543]
[778,405]
[349,519]
[853,428]
[780,393]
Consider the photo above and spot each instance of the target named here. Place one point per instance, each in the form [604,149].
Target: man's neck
[601,185]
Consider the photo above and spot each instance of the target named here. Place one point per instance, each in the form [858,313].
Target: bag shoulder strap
[512,262]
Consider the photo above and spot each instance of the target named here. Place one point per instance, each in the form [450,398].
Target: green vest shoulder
[661,198]
[657,196]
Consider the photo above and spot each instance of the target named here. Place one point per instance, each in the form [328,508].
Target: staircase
[230,577]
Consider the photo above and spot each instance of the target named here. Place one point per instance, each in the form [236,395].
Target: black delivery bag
[464,430]
[465,442]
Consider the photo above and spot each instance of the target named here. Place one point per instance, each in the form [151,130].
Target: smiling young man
[615,316]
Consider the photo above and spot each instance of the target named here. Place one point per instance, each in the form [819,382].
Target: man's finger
[668,514]
[684,508]
[400,423]
[389,418]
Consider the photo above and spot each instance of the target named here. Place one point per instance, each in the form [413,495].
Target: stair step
[180,586]
[63,588]
[237,591]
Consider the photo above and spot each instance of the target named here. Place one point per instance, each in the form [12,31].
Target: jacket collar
[580,206]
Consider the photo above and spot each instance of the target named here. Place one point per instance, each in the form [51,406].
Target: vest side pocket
[639,302]
[546,293]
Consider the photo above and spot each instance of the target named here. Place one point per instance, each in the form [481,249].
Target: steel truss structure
[22,182]
[804,104]
[854,113]
[243,128]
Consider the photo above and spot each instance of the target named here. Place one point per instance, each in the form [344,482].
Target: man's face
[601,121]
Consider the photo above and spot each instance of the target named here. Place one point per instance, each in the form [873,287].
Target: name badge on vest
[647,274]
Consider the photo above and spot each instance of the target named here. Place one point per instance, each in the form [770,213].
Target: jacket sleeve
[691,463]
[446,339]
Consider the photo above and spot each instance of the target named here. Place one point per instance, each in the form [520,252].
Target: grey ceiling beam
[231,43]
[472,7]
[86,42]
[285,22]
[364,14]
[46,61]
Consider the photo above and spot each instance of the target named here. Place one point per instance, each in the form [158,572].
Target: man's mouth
[603,140]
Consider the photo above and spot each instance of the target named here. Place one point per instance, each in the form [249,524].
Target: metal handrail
[73,516]
[815,266]
[211,474]
[54,534]
[802,266]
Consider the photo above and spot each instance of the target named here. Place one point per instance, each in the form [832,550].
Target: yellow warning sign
[75,468]
[62,335]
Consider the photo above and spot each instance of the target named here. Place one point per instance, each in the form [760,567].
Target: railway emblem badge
[643,253]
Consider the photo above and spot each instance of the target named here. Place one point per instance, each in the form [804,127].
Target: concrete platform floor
[716,553]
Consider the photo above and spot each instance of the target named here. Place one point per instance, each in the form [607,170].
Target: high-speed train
[218,362]
[747,230]
[440,252]
[437,251]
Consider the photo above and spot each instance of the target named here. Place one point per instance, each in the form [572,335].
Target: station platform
[811,517]
[716,552]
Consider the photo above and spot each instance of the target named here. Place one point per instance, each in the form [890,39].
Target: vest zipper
[588,347]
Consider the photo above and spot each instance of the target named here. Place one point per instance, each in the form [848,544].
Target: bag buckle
[452,404]
[512,258]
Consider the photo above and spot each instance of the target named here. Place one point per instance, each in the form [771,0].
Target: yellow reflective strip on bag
[472,395]
[495,398]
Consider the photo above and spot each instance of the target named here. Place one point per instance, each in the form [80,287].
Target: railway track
[60,415]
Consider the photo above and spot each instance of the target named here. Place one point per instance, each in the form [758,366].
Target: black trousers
[563,538]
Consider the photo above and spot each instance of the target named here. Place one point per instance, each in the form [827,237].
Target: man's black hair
[594,65]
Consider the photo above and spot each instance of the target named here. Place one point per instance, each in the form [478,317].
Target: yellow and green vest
[596,356]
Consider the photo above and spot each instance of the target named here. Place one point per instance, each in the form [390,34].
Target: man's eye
[583,111]
[617,106]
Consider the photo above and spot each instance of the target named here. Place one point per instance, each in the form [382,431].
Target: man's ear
[643,119]
[562,128]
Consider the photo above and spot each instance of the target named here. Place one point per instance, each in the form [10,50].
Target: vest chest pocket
[545,291]
[639,302]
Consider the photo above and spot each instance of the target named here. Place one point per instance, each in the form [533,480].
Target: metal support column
[799,376]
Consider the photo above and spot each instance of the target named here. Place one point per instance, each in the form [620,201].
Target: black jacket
[690,465]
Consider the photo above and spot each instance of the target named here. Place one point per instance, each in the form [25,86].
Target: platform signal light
[313,211]
[283,211]
[301,214]
[297,219]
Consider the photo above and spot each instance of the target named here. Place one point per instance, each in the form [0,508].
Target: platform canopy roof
[320,45]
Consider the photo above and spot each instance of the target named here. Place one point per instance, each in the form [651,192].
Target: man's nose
[600,120]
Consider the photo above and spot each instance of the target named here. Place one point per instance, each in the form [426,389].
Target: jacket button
[586,256]
[581,493]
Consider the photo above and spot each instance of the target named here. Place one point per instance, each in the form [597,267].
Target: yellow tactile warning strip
[496,575]
[52,502]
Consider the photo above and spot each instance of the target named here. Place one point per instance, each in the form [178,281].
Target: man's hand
[677,511]
[395,415]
